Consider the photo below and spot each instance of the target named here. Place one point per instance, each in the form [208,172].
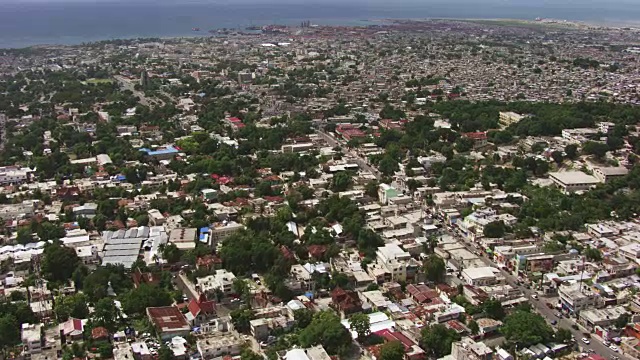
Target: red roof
[595,357]
[234,119]
[99,333]
[480,135]
[422,293]
[167,318]
[316,251]
[396,336]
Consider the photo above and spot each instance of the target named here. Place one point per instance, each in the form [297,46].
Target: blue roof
[204,229]
[167,150]
[121,177]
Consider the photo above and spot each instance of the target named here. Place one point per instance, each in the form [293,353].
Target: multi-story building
[468,349]
[574,299]
[223,230]
[14,175]
[482,276]
[222,280]
[572,181]
[508,117]
[32,337]
[395,260]
[219,344]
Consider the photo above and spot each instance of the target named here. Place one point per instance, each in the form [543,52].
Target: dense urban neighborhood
[408,190]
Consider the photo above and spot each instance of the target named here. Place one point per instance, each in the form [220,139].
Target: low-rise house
[468,349]
[219,344]
[346,301]
[168,321]
[32,338]
[201,310]
[481,276]
[574,298]
[222,280]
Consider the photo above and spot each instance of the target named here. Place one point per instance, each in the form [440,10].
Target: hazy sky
[536,3]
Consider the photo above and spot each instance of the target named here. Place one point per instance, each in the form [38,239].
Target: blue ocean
[32,22]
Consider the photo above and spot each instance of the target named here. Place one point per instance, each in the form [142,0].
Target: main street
[362,163]
[127,84]
[541,308]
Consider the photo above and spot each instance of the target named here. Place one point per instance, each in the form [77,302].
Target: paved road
[331,140]
[550,314]
[127,84]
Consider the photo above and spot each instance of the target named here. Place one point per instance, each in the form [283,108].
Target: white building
[220,344]
[468,349]
[395,260]
[572,181]
[508,117]
[222,280]
[574,299]
[482,276]
[32,337]
[14,174]
[223,230]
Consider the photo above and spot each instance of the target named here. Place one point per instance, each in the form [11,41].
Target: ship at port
[253,27]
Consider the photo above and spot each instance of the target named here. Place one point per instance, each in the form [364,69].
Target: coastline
[28,42]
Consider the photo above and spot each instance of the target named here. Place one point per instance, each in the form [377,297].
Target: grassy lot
[99,81]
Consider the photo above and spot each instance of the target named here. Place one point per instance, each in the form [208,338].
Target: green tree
[571,151]
[106,314]
[247,354]
[137,300]
[563,336]
[341,181]
[9,331]
[75,306]
[59,262]
[165,353]
[557,157]
[593,254]
[105,350]
[493,308]
[241,319]
[171,253]
[622,321]
[526,328]
[434,268]
[241,288]
[388,166]
[436,340]
[303,318]
[48,231]
[361,325]
[326,330]
[597,149]
[473,326]
[494,229]
[24,235]
[393,350]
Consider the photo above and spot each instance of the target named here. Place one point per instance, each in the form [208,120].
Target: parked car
[586,341]
[614,348]
[554,322]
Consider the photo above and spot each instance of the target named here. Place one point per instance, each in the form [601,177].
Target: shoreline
[545,22]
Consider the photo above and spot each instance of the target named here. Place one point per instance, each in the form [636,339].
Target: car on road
[614,348]
[586,341]
[559,315]
[549,305]
[554,322]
